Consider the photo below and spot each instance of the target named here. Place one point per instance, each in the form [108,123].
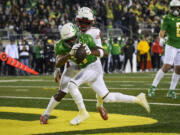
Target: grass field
[24,99]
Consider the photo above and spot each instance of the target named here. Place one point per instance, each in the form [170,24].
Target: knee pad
[59,96]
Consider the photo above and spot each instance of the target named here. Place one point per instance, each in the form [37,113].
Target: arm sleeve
[98,39]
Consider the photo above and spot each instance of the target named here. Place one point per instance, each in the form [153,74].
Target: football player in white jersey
[93,73]
[85,20]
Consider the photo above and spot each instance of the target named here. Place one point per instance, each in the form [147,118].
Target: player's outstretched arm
[98,51]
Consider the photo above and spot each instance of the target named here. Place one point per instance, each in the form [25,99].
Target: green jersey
[171,25]
[106,47]
[115,50]
[61,49]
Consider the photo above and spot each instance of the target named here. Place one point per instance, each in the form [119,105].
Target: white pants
[92,75]
[172,55]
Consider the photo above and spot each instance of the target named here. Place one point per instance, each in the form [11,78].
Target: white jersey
[96,34]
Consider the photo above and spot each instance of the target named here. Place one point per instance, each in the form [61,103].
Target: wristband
[101,53]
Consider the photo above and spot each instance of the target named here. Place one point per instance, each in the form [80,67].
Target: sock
[174,81]
[76,95]
[118,97]
[52,104]
[159,76]
[99,101]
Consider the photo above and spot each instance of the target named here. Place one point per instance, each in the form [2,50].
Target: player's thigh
[67,75]
[170,54]
[88,74]
[99,86]
[84,76]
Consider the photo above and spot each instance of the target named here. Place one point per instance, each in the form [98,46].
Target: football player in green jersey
[89,71]
[170,26]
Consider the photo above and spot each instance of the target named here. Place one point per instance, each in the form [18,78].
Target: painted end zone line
[89,100]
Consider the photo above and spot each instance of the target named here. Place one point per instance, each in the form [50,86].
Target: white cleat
[82,116]
[141,99]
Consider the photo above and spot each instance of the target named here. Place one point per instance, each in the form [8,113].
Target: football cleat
[141,100]
[171,94]
[151,91]
[44,119]
[103,112]
[82,116]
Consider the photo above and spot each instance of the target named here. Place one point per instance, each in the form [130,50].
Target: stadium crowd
[139,20]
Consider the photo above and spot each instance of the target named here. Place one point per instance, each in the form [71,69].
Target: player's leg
[55,100]
[86,75]
[175,77]
[100,88]
[170,54]
[77,97]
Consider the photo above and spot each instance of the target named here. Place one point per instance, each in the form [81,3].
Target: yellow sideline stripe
[61,123]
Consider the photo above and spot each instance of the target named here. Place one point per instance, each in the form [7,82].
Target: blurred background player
[24,55]
[170,26]
[104,60]
[12,51]
[143,49]
[128,51]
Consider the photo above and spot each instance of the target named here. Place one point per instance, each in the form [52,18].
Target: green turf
[168,116]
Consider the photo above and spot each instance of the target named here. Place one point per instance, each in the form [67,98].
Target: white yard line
[22,89]
[53,87]
[89,100]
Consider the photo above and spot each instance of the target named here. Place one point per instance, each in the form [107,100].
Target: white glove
[88,51]
[74,48]
[161,41]
[57,75]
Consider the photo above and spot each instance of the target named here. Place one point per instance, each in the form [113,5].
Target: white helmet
[175,3]
[175,7]
[84,18]
[68,31]
[85,12]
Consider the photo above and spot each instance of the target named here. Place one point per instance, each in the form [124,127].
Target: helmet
[175,7]
[175,3]
[69,34]
[68,31]
[85,18]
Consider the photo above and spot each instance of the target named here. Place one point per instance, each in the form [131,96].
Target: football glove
[74,48]
[88,51]
[57,75]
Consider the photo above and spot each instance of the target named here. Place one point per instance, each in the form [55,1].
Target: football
[80,54]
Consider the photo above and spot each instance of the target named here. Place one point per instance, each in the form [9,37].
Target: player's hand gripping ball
[80,53]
